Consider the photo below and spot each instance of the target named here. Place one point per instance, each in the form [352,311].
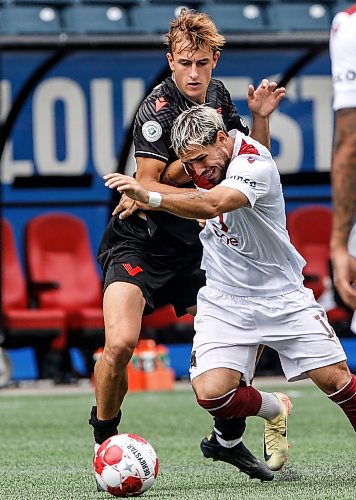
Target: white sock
[227,444]
[270,407]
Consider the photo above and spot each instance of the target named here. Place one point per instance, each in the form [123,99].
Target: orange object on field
[149,368]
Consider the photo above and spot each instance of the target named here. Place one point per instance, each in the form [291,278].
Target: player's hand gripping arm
[262,102]
[149,172]
[190,204]
[344,202]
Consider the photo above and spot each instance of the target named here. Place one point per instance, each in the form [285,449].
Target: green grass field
[46,449]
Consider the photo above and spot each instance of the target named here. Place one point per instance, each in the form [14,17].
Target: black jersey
[152,139]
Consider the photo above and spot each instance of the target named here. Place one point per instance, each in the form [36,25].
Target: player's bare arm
[190,204]
[174,174]
[344,201]
[344,176]
[262,102]
[149,172]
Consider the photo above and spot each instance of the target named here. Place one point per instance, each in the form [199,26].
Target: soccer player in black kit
[154,257]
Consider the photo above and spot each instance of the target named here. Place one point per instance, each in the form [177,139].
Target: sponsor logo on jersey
[225,238]
[246,180]
[160,102]
[132,271]
[151,131]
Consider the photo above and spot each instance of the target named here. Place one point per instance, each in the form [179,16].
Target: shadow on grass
[287,475]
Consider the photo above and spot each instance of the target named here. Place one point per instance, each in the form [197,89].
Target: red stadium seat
[164,326]
[22,325]
[309,229]
[165,316]
[59,254]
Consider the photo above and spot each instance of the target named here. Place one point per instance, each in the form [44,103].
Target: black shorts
[165,269]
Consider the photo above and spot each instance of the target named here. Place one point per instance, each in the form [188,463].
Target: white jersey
[247,252]
[343,58]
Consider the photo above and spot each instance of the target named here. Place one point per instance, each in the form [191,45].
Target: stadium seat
[118,3]
[56,3]
[235,18]
[26,20]
[189,4]
[298,16]
[310,229]
[58,251]
[22,325]
[104,19]
[153,18]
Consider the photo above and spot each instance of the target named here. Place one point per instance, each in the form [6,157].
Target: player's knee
[215,383]
[340,377]
[331,378]
[118,353]
[219,406]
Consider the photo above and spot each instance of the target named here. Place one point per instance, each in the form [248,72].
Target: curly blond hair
[197,29]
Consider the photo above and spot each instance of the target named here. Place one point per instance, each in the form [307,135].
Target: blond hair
[196,127]
[197,29]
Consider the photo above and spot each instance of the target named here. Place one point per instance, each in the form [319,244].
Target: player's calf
[346,399]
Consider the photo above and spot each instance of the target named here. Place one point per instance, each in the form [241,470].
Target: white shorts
[229,330]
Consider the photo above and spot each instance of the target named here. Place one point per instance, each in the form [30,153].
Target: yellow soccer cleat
[275,436]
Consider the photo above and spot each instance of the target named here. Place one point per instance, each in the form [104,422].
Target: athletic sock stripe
[226,402]
[340,390]
[345,400]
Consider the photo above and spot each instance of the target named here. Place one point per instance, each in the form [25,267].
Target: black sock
[103,429]
[231,428]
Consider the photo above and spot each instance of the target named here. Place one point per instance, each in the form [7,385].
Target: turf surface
[46,449]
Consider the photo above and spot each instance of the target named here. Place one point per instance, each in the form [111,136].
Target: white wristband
[154,199]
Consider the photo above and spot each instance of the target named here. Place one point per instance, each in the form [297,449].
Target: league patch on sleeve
[151,131]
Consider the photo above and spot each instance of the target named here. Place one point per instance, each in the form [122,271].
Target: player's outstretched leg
[237,455]
[275,435]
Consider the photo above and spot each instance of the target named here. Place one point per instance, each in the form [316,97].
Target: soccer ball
[125,465]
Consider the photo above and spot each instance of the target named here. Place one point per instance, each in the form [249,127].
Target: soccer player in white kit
[343,239]
[254,292]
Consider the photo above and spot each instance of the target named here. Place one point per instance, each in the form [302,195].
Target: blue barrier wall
[75,121]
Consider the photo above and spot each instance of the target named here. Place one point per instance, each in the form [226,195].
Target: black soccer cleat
[239,456]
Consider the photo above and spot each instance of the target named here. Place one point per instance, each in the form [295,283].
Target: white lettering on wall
[283,129]
[93,120]
[287,132]
[319,90]
[10,168]
[102,129]
[133,91]
[45,97]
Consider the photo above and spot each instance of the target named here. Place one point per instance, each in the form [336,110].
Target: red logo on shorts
[132,270]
